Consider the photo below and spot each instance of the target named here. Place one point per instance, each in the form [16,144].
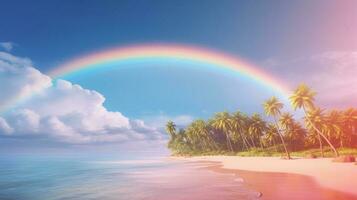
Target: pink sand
[338,176]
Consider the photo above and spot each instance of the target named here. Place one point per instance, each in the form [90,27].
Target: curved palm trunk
[261,143]
[229,144]
[248,143]
[252,140]
[321,134]
[282,139]
[244,142]
[201,145]
[321,149]
[213,143]
[206,144]
[276,148]
[245,146]
[351,135]
[209,143]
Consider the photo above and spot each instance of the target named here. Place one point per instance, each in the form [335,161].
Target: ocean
[82,178]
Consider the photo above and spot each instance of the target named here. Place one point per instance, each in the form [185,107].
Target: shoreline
[333,178]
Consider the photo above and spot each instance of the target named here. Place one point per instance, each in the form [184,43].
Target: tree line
[280,131]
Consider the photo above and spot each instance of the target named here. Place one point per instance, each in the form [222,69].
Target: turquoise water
[47,178]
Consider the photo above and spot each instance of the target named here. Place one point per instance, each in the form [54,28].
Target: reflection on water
[149,179]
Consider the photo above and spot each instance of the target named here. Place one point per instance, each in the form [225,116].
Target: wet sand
[276,186]
[340,177]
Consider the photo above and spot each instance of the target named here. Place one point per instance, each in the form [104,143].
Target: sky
[126,105]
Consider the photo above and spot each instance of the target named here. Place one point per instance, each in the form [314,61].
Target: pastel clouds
[19,79]
[61,111]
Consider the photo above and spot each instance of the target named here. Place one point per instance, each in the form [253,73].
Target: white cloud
[61,111]
[19,79]
[24,121]
[8,46]
[5,127]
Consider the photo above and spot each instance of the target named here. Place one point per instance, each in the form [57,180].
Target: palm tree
[171,129]
[296,135]
[180,144]
[333,126]
[197,131]
[271,134]
[222,122]
[238,125]
[248,122]
[272,107]
[286,121]
[257,127]
[350,120]
[303,98]
[315,120]
[200,129]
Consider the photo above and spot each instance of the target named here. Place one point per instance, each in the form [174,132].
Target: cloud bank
[60,111]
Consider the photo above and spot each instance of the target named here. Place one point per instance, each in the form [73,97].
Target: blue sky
[295,41]
[52,31]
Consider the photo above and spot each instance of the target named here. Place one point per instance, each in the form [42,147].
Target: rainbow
[170,51]
[162,51]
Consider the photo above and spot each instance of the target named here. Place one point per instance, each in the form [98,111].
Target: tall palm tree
[350,120]
[286,121]
[180,143]
[272,107]
[303,97]
[315,118]
[222,122]
[296,135]
[257,127]
[238,126]
[200,129]
[248,122]
[271,134]
[171,129]
[333,126]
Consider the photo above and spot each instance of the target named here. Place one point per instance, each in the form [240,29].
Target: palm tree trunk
[229,142]
[322,135]
[276,148]
[248,143]
[352,133]
[246,140]
[261,144]
[213,143]
[252,140]
[201,145]
[321,149]
[244,143]
[282,139]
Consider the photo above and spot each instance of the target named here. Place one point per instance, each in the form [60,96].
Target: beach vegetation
[319,132]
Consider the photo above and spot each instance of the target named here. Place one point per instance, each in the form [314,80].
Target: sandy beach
[335,178]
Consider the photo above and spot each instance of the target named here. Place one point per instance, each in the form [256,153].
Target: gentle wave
[148,179]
